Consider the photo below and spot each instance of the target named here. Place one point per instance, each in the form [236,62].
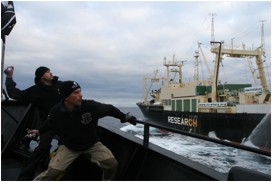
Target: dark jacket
[77,129]
[41,96]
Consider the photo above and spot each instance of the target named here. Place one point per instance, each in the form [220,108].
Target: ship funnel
[261,135]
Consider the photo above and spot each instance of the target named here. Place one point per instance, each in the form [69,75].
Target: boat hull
[226,126]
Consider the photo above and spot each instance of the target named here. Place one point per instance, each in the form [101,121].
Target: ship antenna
[196,71]
[262,37]
[212,27]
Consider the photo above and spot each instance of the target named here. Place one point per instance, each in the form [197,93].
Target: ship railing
[238,47]
[147,124]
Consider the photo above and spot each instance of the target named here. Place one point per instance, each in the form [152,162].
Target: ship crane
[206,62]
[153,80]
[238,53]
[220,51]
[252,70]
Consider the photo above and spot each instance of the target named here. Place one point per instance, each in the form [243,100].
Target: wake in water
[216,156]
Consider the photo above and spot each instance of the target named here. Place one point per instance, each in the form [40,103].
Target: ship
[208,107]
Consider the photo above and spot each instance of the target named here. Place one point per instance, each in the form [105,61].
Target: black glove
[130,119]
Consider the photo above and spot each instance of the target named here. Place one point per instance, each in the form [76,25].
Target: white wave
[216,156]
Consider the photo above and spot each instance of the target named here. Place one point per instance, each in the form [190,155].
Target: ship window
[173,105]
[194,105]
[167,102]
[179,105]
[186,104]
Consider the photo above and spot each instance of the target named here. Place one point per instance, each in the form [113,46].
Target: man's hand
[9,71]
[32,134]
[131,119]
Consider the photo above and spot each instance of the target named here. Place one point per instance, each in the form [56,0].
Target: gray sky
[109,46]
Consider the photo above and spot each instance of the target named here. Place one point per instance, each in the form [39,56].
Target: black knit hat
[39,73]
[67,87]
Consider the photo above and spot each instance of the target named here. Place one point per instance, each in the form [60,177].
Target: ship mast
[216,70]
[174,63]
[212,28]
[262,36]
[196,72]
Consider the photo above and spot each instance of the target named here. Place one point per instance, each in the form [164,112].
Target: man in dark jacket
[43,95]
[75,122]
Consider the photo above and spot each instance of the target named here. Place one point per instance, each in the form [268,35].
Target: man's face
[48,76]
[75,98]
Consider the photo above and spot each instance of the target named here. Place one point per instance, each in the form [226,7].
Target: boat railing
[147,124]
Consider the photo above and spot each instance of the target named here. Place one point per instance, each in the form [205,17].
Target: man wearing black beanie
[39,74]
[43,96]
[75,122]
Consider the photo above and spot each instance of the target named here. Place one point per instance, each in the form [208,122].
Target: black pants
[41,153]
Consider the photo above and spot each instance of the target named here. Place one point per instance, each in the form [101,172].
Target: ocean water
[216,156]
